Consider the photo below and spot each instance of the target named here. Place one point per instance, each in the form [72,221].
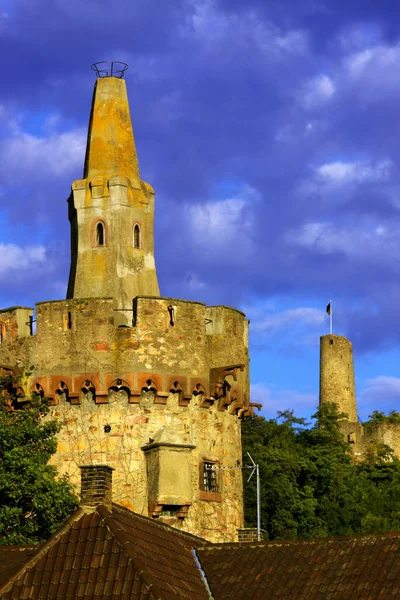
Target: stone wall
[362,438]
[177,377]
[15,323]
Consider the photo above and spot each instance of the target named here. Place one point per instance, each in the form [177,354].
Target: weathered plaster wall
[116,268]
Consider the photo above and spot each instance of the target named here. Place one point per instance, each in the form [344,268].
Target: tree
[288,503]
[310,485]
[34,502]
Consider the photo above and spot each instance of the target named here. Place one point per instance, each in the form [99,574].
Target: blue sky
[270,132]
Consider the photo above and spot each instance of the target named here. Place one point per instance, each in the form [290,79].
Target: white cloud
[373,73]
[339,173]
[369,71]
[225,225]
[380,59]
[220,219]
[380,390]
[303,404]
[20,258]
[368,243]
[214,28]
[326,179]
[275,321]
[26,155]
[317,91]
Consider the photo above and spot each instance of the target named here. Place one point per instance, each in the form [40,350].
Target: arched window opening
[100,234]
[136,236]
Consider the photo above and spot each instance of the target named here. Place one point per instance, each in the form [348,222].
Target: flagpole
[330,315]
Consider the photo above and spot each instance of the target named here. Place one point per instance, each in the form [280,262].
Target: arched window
[100,237]
[136,236]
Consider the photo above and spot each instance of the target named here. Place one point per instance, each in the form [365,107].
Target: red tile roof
[362,568]
[114,555]
[119,555]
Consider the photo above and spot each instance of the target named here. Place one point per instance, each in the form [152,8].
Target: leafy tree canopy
[310,484]
[34,502]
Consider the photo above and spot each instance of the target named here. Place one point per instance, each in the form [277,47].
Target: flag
[328,308]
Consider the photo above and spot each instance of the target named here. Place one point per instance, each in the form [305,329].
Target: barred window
[210,483]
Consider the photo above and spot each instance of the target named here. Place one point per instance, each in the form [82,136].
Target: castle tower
[336,383]
[111,210]
[160,399]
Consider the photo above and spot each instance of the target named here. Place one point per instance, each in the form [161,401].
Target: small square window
[210,482]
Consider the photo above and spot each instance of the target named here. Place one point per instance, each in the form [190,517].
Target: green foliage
[33,501]
[310,486]
[377,418]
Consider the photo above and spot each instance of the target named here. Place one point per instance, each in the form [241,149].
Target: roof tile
[364,567]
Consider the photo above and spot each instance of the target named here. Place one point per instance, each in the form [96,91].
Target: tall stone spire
[111,210]
[110,146]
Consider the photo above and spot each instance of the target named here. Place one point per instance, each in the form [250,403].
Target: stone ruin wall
[362,439]
[190,378]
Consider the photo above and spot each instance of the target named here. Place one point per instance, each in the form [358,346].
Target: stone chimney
[96,485]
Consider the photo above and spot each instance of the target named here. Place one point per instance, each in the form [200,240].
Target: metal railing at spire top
[110,68]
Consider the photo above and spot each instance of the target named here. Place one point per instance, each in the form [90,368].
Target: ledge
[210,496]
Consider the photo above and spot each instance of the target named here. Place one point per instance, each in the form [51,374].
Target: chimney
[96,485]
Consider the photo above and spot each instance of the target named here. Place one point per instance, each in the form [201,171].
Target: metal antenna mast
[256,469]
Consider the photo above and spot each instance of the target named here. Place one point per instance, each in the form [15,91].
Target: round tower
[336,380]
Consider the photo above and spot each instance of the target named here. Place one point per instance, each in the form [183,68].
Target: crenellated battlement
[79,346]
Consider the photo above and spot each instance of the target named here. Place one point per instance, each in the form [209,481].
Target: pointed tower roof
[110,148]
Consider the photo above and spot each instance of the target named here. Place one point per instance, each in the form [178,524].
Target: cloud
[345,173]
[276,321]
[215,27]
[371,61]
[317,91]
[371,74]
[223,226]
[27,156]
[273,400]
[328,177]
[380,393]
[19,258]
[371,243]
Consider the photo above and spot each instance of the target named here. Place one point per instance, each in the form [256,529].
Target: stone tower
[111,210]
[336,382]
[149,386]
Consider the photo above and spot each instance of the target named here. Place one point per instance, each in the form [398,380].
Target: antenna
[255,468]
